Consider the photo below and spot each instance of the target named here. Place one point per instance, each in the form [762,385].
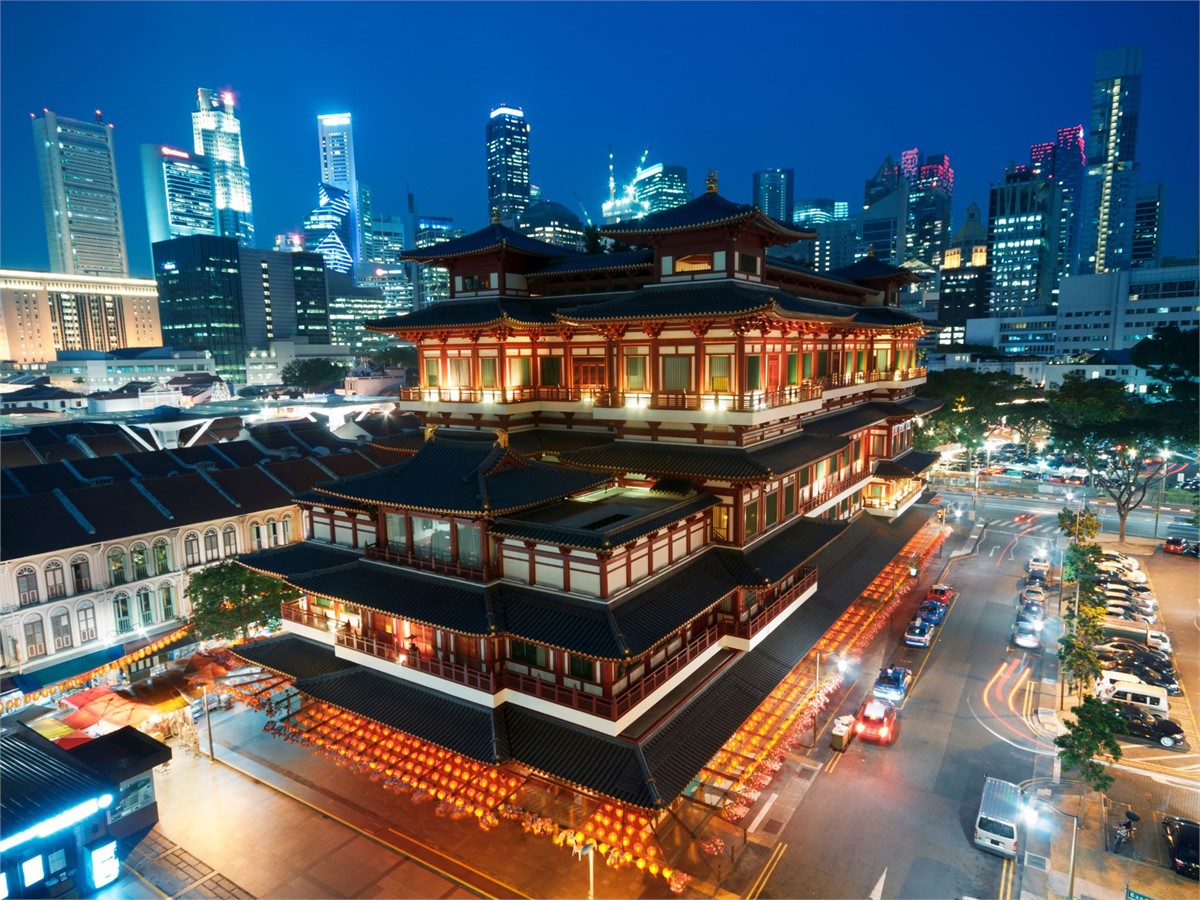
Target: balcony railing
[719,401]
[559,694]
[522,394]
[456,672]
[295,613]
[828,493]
[652,681]
[442,566]
[370,646]
[764,617]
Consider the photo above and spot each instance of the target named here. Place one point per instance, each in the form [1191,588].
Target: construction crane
[583,209]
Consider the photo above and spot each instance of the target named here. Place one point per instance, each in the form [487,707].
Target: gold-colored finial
[712,181]
[870,249]
[495,216]
[501,437]
[430,431]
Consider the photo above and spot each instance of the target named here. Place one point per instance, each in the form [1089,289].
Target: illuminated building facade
[772,191]
[963,287]
[81,199]
[660,187]
[507,163]
[431,284]
[632,469]
[930,191]
[1147,226]
[330,228]
[385,269]
[179,193]
[42,313]
[336,137]
[1022,246]
[553,223]
[217,135]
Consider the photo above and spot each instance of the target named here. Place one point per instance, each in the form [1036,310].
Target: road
[896,821]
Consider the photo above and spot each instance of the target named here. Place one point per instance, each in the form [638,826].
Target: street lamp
[579,853]
[1162,488]
[1031,818]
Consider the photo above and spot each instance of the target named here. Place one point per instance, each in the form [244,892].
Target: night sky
[826,89]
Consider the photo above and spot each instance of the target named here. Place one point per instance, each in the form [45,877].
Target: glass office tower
[507,164]
[217,135]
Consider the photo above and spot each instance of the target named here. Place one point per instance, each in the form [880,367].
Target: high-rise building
[883,224]
[330,228]
[336,136]
[43,313]
[507,164]
[384,268]
[1110,187]
[660,187]
[1147,226]
[217,135]
[818,211]
[553,223]
[1022,246]
[772,191]
[1065,166]
[81,199]
[930,191]
[349,307]
[963,289]
[431,284]
[179,193]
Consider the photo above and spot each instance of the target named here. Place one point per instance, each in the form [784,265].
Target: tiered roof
[492,238]
[709,210]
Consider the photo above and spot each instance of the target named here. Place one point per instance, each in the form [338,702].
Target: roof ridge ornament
[501,437]
[430,433]
[495,215]
[711,181]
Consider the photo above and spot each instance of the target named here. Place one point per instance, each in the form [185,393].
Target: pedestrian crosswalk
[1048,529]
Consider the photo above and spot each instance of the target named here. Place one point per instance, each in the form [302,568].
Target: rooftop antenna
[612,182]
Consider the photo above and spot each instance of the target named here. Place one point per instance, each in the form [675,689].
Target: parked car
[1033,613]
[893,683]
[1038,561]
[1139,724]
[942,593]
[1138,613]
[1121,559]
[1183,845]
[932,612]
[1174,545]
[919,633]
[1128,645]
[1036,578]
[876,721]
[1193,550]
[1145,675]
[1026,635]
[1142,589]
[1112,568]
[1033,594]
[1134,657]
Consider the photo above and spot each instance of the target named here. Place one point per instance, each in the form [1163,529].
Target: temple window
[793,369]
[550,371]
[635,373]
[396,531]
[808,365]
[460,373]
[519,372]
[789,500]
[676,373]
[753,373]
[747,264]
[751,519]
[475,283]
[470,545]
[695,262]
[431,539]
[718,373]
[581,668]
[822,363]
[588,372]
[720,523]
[431,373]
[772,509]
[528,654]
[487,373]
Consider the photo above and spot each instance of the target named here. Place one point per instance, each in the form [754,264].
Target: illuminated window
[635,373]
[487,373]
[676,373]
[718,373]
[695,262]
[475,283]
[720,523]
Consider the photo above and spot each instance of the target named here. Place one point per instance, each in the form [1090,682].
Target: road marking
[766,807]
[877,891]
[1006,878]
[832,764]
[756,888]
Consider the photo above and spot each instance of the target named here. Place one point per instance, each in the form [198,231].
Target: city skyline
[840,129]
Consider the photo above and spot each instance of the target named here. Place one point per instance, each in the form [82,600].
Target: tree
[1028,420]
[1081,525]
[1171,358]
[1078,660]
[307,374]
[974,404]
[1089,736]
[592,241]
[1118,436]
[403,356]
[228,600]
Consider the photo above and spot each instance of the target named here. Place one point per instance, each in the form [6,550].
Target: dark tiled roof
[116,511]
[45,477]
[38,780]
[39,524]
[553,441]
[567,623]
[788,265]
[920,405]
[202,455]
[791,452]
[252,488]
[491,238]
[242,453]
[108,444]
[294,559]
[293,656]
[907,465]
[857,418]
[456,725]
[725,297]
[315,498]
[297,474]
[548,532]
[596,262]
[886,316]
[464,477]
[461,606]
[18,454]
[381,425]
[709,210]
[345,464]
[122,754]
[191,499]
[778,555]
[155,463]
[56,452]
[871,268]
[481,313]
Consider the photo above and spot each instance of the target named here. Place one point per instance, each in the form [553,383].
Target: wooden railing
[747,401]
[829,492]
[370,646]
[652,681]
[559,694]
[765,616]
[456,672]
[441,566]
[295,613]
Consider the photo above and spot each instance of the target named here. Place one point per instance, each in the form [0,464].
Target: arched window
[60,628]
[56,580]
[285,530]
[116,566]
[191,549]
[166,597]
[145,605]
[121,612]
[87,621]
[256,536]
[27,586]
[140,561]
[211,545]
[272,528]
[81,574]
[229,537]
[35,637]
[162,557]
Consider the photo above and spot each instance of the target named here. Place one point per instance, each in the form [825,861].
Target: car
[1033,593]
[1138,592]
[876,721]
[1036,578]
[1145,605]
[1121,604]
[1128,645]
[1144,674]
[942,593]
[1039,561]
[1121,610]
[919,633]
[893,683]
[1026,635]
[1193,551]
[1183,845]
[1174,545]
[1141,659]
[1111,568]
[1142,589]
[932,612]
[1121,559]
[1139,724]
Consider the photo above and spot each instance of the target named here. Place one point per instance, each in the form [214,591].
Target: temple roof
[858,417]
[871,268]
[449,476]
[756,463]
[595,262]
[486,240]
[486,312]
[907,465]
[709,210]
[533,442]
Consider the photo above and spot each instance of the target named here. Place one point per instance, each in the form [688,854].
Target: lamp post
[208,724]
[1162,488]
[1031,820]
[586,850]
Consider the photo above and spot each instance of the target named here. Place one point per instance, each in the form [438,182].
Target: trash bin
[842,733]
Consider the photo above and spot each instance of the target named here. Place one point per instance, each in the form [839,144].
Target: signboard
[1131,894]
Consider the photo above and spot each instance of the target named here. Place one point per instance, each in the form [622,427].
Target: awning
[79,665]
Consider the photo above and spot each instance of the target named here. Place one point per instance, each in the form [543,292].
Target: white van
[1127,688]
[998,817]
[1145,634]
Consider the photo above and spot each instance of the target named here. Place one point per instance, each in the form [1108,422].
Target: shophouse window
[191,549]
[229,537]
[121,613]
[116,566]
[81,574]
[162,556]
[86,614]
[166,597]
[139,559]
[145,603]
[35,637]
[60,628]
[56,580]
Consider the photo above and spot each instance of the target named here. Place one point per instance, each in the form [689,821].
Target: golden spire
[712,182]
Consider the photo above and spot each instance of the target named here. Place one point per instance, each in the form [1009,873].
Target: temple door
[773,372]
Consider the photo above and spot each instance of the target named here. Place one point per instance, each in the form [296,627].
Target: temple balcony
[831,493]
[426,563]
[316,626]
[903,496]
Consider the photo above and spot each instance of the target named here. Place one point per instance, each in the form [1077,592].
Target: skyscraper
[431,284]
[772,191]
[81,200]
[385,269]
[1147,226]
[217,135]
[659,187]
[1023,235]
[1110,193]
[963,287]
[179,193]
[507,164]
[329,229]
[336,137]
[931,188]
[883,224]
